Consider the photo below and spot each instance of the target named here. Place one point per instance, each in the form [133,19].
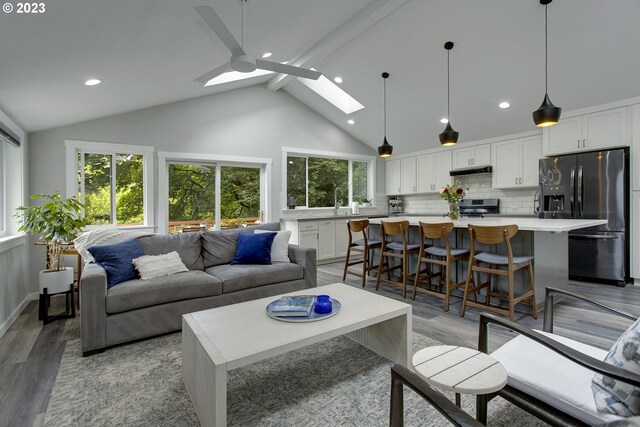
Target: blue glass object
[323,304]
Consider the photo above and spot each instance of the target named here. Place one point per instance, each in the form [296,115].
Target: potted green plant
[364,201]
[57,221]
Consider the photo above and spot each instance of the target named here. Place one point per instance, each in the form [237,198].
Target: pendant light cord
[448,102]
[385,107]
[546,52]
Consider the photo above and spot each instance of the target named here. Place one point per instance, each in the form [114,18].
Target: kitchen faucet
[335,200]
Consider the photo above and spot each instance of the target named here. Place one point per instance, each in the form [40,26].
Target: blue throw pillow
[117,260]
[254,248]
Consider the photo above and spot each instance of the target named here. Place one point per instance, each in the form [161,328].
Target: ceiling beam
[351,28]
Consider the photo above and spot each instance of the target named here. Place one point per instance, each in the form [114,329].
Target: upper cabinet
[401,176]
[594,131]
[515,162]
[392,168]
[433,171]
[478,155]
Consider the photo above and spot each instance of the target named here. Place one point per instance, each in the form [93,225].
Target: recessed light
[267,54]
[92,82]
[351,122]
[444,120]
[504,104]
[338,79]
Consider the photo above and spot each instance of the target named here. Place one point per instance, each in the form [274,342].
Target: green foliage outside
[240,192]
[192,190]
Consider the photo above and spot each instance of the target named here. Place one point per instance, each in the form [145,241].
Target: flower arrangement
[453,193]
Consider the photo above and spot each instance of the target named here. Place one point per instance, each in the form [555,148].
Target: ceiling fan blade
[215,23]
[288,69]
[213,73]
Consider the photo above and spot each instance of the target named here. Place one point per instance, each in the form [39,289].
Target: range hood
[474,170]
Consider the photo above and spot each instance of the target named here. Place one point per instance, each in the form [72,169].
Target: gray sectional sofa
[138,309]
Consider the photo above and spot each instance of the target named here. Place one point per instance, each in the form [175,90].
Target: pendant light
[448,136]
[385,149]
[548,114]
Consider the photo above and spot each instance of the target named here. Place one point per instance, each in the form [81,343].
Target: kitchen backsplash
[511,201]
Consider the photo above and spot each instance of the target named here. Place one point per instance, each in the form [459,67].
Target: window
[113,181]
[206,192]
[317,180]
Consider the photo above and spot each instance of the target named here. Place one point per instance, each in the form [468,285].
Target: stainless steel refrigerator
[592,185]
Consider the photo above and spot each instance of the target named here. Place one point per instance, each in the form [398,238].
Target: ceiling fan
[240,61]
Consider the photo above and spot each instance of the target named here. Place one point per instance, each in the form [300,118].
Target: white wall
[251,122]
[15,288]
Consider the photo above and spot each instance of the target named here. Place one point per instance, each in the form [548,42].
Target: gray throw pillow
[616,397]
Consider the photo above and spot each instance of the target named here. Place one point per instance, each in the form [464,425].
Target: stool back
[433,231]
[394,228]
[492,235]
[358,226]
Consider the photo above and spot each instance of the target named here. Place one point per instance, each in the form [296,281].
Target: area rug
[337,382]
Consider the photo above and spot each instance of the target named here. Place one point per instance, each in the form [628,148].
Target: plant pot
[366,205]
[56,281]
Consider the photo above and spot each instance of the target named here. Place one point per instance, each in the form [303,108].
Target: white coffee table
[461,370]
[218,340]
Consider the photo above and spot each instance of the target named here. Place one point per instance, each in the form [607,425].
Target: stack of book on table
[294,306]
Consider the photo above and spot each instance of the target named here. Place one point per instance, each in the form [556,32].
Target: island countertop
[524,224]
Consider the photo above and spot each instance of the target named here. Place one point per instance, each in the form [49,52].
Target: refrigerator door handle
[593,237]
[571,185]
[580,191]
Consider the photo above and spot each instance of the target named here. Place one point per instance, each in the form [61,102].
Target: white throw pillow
[280,245]
[150,266]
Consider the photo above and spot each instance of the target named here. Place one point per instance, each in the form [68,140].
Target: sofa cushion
[188,246]
[139,293]
[551,378]
[617,397]
[117,260]
[219,247]
[280,245]
[150,266]
[242,276]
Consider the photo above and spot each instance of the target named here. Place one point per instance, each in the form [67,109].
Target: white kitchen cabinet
[308,239]
[433,172]
[635,149]
[588,132]
[635,234]
[408,175]
[515,162]
[326,239]
[342,237]
[393,176]
[478,155]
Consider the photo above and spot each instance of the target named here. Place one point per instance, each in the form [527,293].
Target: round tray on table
[335,304]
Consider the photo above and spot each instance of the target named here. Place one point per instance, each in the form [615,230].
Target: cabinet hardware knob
[584,143]
[578,143]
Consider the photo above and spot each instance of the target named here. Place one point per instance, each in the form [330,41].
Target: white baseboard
[7,323]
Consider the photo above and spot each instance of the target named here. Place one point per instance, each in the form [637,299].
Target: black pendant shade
[547,114]
[449,136]
[385,149]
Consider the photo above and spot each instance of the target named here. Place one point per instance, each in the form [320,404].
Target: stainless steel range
[477,208]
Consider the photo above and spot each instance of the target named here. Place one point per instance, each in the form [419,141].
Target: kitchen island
[546,239]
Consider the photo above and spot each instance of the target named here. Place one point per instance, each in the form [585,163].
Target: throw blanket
[104,236]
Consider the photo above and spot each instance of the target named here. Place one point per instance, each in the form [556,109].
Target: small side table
[461,370]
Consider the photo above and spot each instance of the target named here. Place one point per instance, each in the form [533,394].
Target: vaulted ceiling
[147,52]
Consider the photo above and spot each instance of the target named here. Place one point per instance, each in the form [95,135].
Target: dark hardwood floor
[30,353]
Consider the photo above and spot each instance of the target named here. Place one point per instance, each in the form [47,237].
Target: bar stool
[363,245]
[492,235]
[395,249]
[443,256]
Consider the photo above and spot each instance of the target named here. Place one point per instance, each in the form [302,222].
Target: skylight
[332,93]
[232,76]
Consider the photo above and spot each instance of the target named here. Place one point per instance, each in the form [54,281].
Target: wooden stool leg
[534,308]
[466,288]
[404,274]
[380,268]
[346,263]
[365,266]
[417,278]
[511,302]
[447,285]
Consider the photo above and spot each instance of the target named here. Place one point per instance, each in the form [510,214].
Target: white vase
[355,208]
[56,281]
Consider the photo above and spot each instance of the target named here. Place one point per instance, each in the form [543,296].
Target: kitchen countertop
[326,217]
[523,223]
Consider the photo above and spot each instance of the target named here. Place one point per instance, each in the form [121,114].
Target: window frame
[3,190]
[165,158]
[74,147]
[306,153]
